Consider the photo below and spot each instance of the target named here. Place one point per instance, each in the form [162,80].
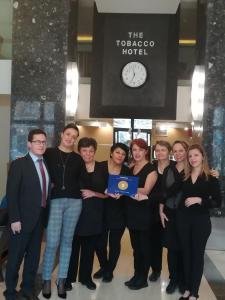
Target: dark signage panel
[134,71]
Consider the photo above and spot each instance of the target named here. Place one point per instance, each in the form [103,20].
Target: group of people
[67,192]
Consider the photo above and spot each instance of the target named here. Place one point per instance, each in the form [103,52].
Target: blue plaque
[125,185]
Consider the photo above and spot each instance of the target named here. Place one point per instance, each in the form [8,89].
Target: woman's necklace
[162,166]
[64,163]
[90,167]
[113,169]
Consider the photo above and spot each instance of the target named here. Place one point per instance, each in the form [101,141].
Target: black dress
[194,227]
[89,226]
[138,223]
[114,225]
[172,181]
[155,235]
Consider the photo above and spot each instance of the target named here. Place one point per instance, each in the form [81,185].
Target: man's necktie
[43,201]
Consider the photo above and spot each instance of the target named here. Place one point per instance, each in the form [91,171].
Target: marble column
[40,48]
[214,104]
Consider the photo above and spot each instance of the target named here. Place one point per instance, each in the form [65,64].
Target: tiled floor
[214,270]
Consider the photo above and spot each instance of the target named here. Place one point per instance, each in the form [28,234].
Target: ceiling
[188,14]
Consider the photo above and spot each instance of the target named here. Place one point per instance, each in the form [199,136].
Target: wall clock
[134,74]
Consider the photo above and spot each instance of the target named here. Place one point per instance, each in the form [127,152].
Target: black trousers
[74,260]
[27,246]
[156,247]
[175,266]
[194,231]
[141,252]
[108,259]
[82,258]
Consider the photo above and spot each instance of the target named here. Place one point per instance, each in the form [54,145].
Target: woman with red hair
[138,216]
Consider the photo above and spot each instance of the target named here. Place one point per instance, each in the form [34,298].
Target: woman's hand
[115,196]
[192,200]
[16,227]
[87,193]
[163,218]
[214,173]
[139,197]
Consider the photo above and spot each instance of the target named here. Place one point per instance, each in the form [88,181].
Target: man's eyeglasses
[39,142]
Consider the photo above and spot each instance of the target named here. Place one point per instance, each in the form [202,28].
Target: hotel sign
[134,66]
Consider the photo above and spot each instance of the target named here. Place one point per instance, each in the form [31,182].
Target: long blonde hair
[205,167]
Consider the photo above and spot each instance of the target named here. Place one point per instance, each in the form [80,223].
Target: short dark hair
[33,132]
[87,142]
[163,143]
[71,125]
[121,146]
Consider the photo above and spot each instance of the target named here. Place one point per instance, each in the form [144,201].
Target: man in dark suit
[27,190]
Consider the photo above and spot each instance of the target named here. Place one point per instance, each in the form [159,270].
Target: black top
[172,181]
[91,218]
[114,209]
[67,165]
[157,193]
[207,190]
[138,216]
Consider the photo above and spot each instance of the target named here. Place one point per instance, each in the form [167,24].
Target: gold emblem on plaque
[122,185]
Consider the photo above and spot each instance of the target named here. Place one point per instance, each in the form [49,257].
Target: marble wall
[214,105]
[40,34]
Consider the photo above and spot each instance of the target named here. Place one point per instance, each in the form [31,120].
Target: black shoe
[184,298]
[22,295]
[68,286]
[154,276]
[138,284]
[107,277]
[99,274]
[89,284]
[61,288]
[181,288]
[171,287]
[10,297]
[131,281]
[46,289]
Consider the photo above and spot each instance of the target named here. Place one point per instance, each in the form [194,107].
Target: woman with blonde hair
[201,192]
[172,180]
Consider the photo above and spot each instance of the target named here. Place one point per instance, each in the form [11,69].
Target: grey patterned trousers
[64,214]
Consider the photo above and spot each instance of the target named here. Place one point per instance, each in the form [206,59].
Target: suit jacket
[24,193]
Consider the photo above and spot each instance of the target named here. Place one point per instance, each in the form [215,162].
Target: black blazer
[24,193]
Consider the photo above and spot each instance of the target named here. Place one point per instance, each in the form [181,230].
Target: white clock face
[134,74]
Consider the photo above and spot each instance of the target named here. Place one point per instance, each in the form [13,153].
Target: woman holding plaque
[138,215]
[89,226]
[114,215]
